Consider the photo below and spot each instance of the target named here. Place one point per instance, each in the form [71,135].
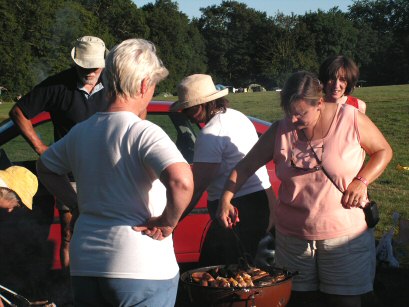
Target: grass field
[387,106]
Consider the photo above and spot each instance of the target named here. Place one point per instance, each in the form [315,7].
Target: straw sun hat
[196,89]
[22,182]
[89,52]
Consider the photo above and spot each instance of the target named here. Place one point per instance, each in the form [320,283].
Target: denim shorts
[101,292]
[342,266]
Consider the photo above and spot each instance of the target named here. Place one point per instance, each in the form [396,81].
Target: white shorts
[341,266]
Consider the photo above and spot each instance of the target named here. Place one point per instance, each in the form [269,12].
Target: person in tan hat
[70,97]
[17,186]
[226,138]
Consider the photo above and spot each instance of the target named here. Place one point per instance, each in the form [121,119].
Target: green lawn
[387,106]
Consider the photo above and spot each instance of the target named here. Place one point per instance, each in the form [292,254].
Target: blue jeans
[101,292]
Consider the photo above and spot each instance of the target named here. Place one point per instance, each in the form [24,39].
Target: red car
[37,233]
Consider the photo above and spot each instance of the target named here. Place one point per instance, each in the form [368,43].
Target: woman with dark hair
[339,76]
[224,140]
[319,150]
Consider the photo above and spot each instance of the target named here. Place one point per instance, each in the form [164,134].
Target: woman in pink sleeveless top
[320,231]
[339,75]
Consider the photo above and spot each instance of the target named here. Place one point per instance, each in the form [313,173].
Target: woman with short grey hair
[130,63]
[133,185]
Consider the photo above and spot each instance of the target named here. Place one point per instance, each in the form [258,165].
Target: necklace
[313,131]
[318,166]
[322,138]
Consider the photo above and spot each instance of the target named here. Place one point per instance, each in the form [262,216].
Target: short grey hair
[130,62]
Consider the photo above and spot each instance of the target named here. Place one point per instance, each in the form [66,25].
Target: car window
[182,132]
[18,150]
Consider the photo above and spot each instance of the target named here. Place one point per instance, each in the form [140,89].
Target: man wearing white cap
[70,97]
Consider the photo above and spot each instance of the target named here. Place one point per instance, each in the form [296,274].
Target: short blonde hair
[130,62]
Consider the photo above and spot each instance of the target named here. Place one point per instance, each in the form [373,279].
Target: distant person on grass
[133,185]
[70,97]
[339,76]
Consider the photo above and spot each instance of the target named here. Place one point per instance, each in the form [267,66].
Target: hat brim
[22,182]
[180,105]
[90,62]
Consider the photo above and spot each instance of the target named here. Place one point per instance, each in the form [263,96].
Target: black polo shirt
[60,96]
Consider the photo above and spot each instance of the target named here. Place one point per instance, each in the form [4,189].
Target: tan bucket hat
[89,52]
[22,182]
[196,89]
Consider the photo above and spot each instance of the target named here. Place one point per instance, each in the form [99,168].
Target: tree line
[234,43]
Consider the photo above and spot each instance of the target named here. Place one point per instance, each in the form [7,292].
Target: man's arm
[27,130]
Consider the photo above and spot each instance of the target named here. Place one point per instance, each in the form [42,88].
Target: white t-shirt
[226,139]
[116,159]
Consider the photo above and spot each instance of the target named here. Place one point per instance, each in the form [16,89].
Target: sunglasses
[307,169]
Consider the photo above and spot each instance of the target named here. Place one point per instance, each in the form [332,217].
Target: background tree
[236,44]
[389,24]
[332,33]
[15,53]
[234,37]
[292,48]
[121,18]
[179,43]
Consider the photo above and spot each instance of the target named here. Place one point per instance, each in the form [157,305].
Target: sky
[192,7]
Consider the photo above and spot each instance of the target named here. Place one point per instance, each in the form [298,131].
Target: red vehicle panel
[189,234]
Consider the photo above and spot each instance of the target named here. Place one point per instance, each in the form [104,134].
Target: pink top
[309,205]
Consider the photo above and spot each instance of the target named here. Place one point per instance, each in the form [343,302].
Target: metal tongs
[22,299]
[14,294]
[242,250]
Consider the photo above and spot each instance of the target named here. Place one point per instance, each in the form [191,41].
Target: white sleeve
[56,157]
[156,150]
[208,148]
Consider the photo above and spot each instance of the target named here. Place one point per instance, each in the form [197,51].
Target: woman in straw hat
[17,186]
[224,140]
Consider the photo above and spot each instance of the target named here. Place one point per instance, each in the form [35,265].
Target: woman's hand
[227,214]
[155,229]
[356,195]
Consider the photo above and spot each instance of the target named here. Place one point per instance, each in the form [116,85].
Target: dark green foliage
[234,43]
[386,25]
[179,43]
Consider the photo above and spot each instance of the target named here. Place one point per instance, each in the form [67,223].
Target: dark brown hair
[215,106]
[302,85]
[330,68]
